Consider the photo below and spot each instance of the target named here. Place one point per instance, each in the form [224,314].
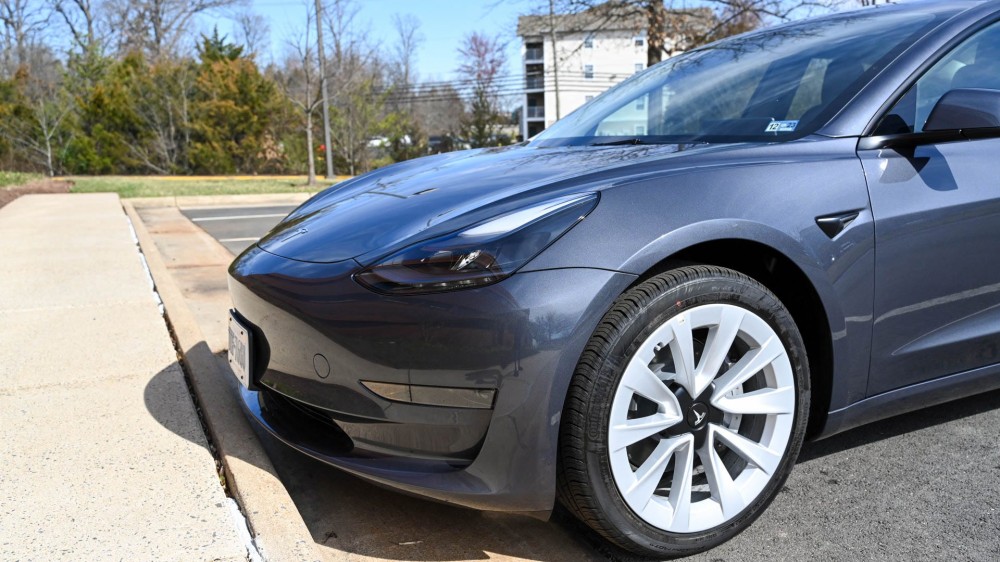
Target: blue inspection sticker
[781,126]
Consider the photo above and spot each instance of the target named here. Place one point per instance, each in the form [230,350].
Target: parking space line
[250,239]
[268,216]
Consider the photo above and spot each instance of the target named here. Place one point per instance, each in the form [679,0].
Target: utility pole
[555,55]
[328,153]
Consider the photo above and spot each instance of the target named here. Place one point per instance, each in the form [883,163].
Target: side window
[973,64]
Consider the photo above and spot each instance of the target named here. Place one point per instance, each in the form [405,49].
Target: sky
[443,25]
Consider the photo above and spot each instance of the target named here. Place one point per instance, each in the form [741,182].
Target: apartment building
[593,52]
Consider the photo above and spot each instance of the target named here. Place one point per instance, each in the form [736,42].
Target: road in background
[922,486]
[237,227]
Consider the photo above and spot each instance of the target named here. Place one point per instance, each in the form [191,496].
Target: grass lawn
[163,186]
[8,179]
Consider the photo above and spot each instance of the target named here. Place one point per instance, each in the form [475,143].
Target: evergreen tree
[215,48]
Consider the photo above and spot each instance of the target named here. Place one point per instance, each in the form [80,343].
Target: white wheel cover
[672,508]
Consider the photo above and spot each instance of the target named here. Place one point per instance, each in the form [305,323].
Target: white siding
[614,57]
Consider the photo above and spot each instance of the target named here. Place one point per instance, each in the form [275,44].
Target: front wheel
[686,412]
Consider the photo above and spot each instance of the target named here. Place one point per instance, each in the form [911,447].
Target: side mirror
[965,108]
[960,115]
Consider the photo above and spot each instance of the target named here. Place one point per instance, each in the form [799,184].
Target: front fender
[767,200]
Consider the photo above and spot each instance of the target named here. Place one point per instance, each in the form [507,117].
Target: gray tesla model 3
[642,312]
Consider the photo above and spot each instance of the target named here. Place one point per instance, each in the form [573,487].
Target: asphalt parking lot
[923,486]
[237,227]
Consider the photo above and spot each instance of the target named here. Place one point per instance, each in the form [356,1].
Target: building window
[532,51]
[588,71]
[640,130]
[640,104]
[588,43]
[639,41]
[587,98]
[639,66]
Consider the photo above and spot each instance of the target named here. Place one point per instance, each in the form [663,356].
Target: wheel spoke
[764,401]
[724,490]
[648,475]
[680,487]
[720,340]
[644,382]
[682,351]
[762,457]
[695,350]
[632,431]
[748,366]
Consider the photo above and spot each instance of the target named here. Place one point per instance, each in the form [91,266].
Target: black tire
[586,483]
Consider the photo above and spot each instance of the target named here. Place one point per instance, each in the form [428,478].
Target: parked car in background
[436,144]
[644,311]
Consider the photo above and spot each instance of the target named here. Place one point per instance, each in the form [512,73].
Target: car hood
[368,216]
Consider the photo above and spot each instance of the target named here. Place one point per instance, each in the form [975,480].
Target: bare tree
[483,61]
[35,125]
[438,109]
[21,21]
[408,41]
[125,20]
[161,100]
[356,74]
[252,32]
[157,26]
[672,26]
[81,18]
[299,79]
[37,77]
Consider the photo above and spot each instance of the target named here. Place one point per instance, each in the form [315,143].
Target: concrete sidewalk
[102,455]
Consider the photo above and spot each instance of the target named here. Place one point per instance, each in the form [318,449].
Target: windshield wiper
[619,142]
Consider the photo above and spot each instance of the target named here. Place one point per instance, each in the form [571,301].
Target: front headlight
[482,254]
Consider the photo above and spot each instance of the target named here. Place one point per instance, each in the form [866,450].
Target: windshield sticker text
[781,126]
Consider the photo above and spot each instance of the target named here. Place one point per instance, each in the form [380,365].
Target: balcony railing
[534,83]
[533,54]
[536,112]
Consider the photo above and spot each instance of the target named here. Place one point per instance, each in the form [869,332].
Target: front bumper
[318,334]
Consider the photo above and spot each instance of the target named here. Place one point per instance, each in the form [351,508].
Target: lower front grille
[311,427]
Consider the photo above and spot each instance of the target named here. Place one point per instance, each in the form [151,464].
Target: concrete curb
[278,530]
[189,201]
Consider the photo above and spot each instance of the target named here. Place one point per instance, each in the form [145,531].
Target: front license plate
[239,350]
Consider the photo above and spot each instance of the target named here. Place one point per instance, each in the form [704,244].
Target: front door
[937,234]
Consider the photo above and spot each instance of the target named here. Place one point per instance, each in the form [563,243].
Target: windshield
[775,85]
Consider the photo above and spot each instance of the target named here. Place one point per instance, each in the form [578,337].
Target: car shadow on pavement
[345,514]
[165,411]
[901,425]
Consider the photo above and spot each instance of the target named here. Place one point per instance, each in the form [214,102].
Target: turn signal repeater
[481,254]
